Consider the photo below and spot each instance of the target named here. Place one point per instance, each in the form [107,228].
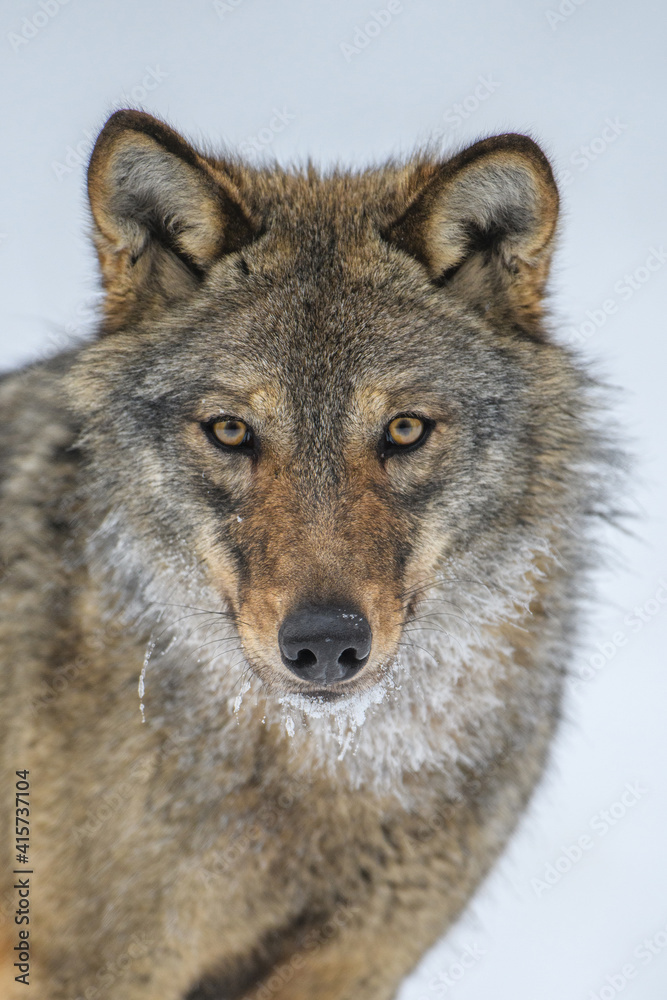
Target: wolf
[294,551]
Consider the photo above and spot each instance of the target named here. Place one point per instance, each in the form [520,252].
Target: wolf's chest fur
[292,557]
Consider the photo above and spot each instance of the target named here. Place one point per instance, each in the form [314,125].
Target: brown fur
[256,838]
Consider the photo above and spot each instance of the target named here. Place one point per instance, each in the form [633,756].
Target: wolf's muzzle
[325,645]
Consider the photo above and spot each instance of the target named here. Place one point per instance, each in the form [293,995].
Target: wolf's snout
[325,645]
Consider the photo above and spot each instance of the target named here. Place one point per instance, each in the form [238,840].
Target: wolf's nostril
[304,658]
[325,645]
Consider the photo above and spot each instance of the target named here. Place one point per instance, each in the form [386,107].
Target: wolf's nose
[325,645]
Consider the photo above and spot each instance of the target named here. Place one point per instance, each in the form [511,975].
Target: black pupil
[232,432]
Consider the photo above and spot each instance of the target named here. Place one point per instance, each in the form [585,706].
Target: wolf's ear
[162,215]
[484,221]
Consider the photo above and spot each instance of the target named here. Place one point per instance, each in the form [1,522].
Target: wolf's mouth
[327,695]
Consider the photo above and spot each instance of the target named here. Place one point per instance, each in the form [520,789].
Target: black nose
[325,645]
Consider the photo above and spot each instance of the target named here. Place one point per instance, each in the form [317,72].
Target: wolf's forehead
[315,405]
[301,354]
[306,330]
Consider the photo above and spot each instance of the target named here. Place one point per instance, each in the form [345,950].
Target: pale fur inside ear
[498,205]
[151,193]
[163,213]
[492,203]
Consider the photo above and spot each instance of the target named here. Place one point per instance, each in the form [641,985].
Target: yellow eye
[230,432]
[404,431]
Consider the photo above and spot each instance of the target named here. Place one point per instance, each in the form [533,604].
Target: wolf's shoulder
[37,437]
[34,419]
[38,481]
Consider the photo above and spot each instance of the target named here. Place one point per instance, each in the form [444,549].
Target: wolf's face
[321,390]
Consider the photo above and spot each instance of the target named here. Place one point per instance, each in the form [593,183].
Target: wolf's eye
[231,432]
[405,431]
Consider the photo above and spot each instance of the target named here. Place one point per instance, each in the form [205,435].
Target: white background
[219,74]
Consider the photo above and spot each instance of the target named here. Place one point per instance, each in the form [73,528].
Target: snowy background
[578,906]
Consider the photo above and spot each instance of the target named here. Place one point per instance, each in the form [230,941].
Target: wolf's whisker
[416,645]
[177,621]
[445,614]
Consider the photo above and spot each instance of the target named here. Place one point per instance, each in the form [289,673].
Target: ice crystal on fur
[442,684]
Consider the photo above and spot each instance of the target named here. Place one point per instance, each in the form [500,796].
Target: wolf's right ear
[162,214]
[484,223]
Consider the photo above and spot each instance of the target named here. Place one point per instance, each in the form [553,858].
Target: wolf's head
[315,397]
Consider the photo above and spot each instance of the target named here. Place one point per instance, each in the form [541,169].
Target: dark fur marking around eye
[248,446]
[387,448]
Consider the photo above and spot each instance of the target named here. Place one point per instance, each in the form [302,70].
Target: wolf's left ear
[485,221]
[162,215]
